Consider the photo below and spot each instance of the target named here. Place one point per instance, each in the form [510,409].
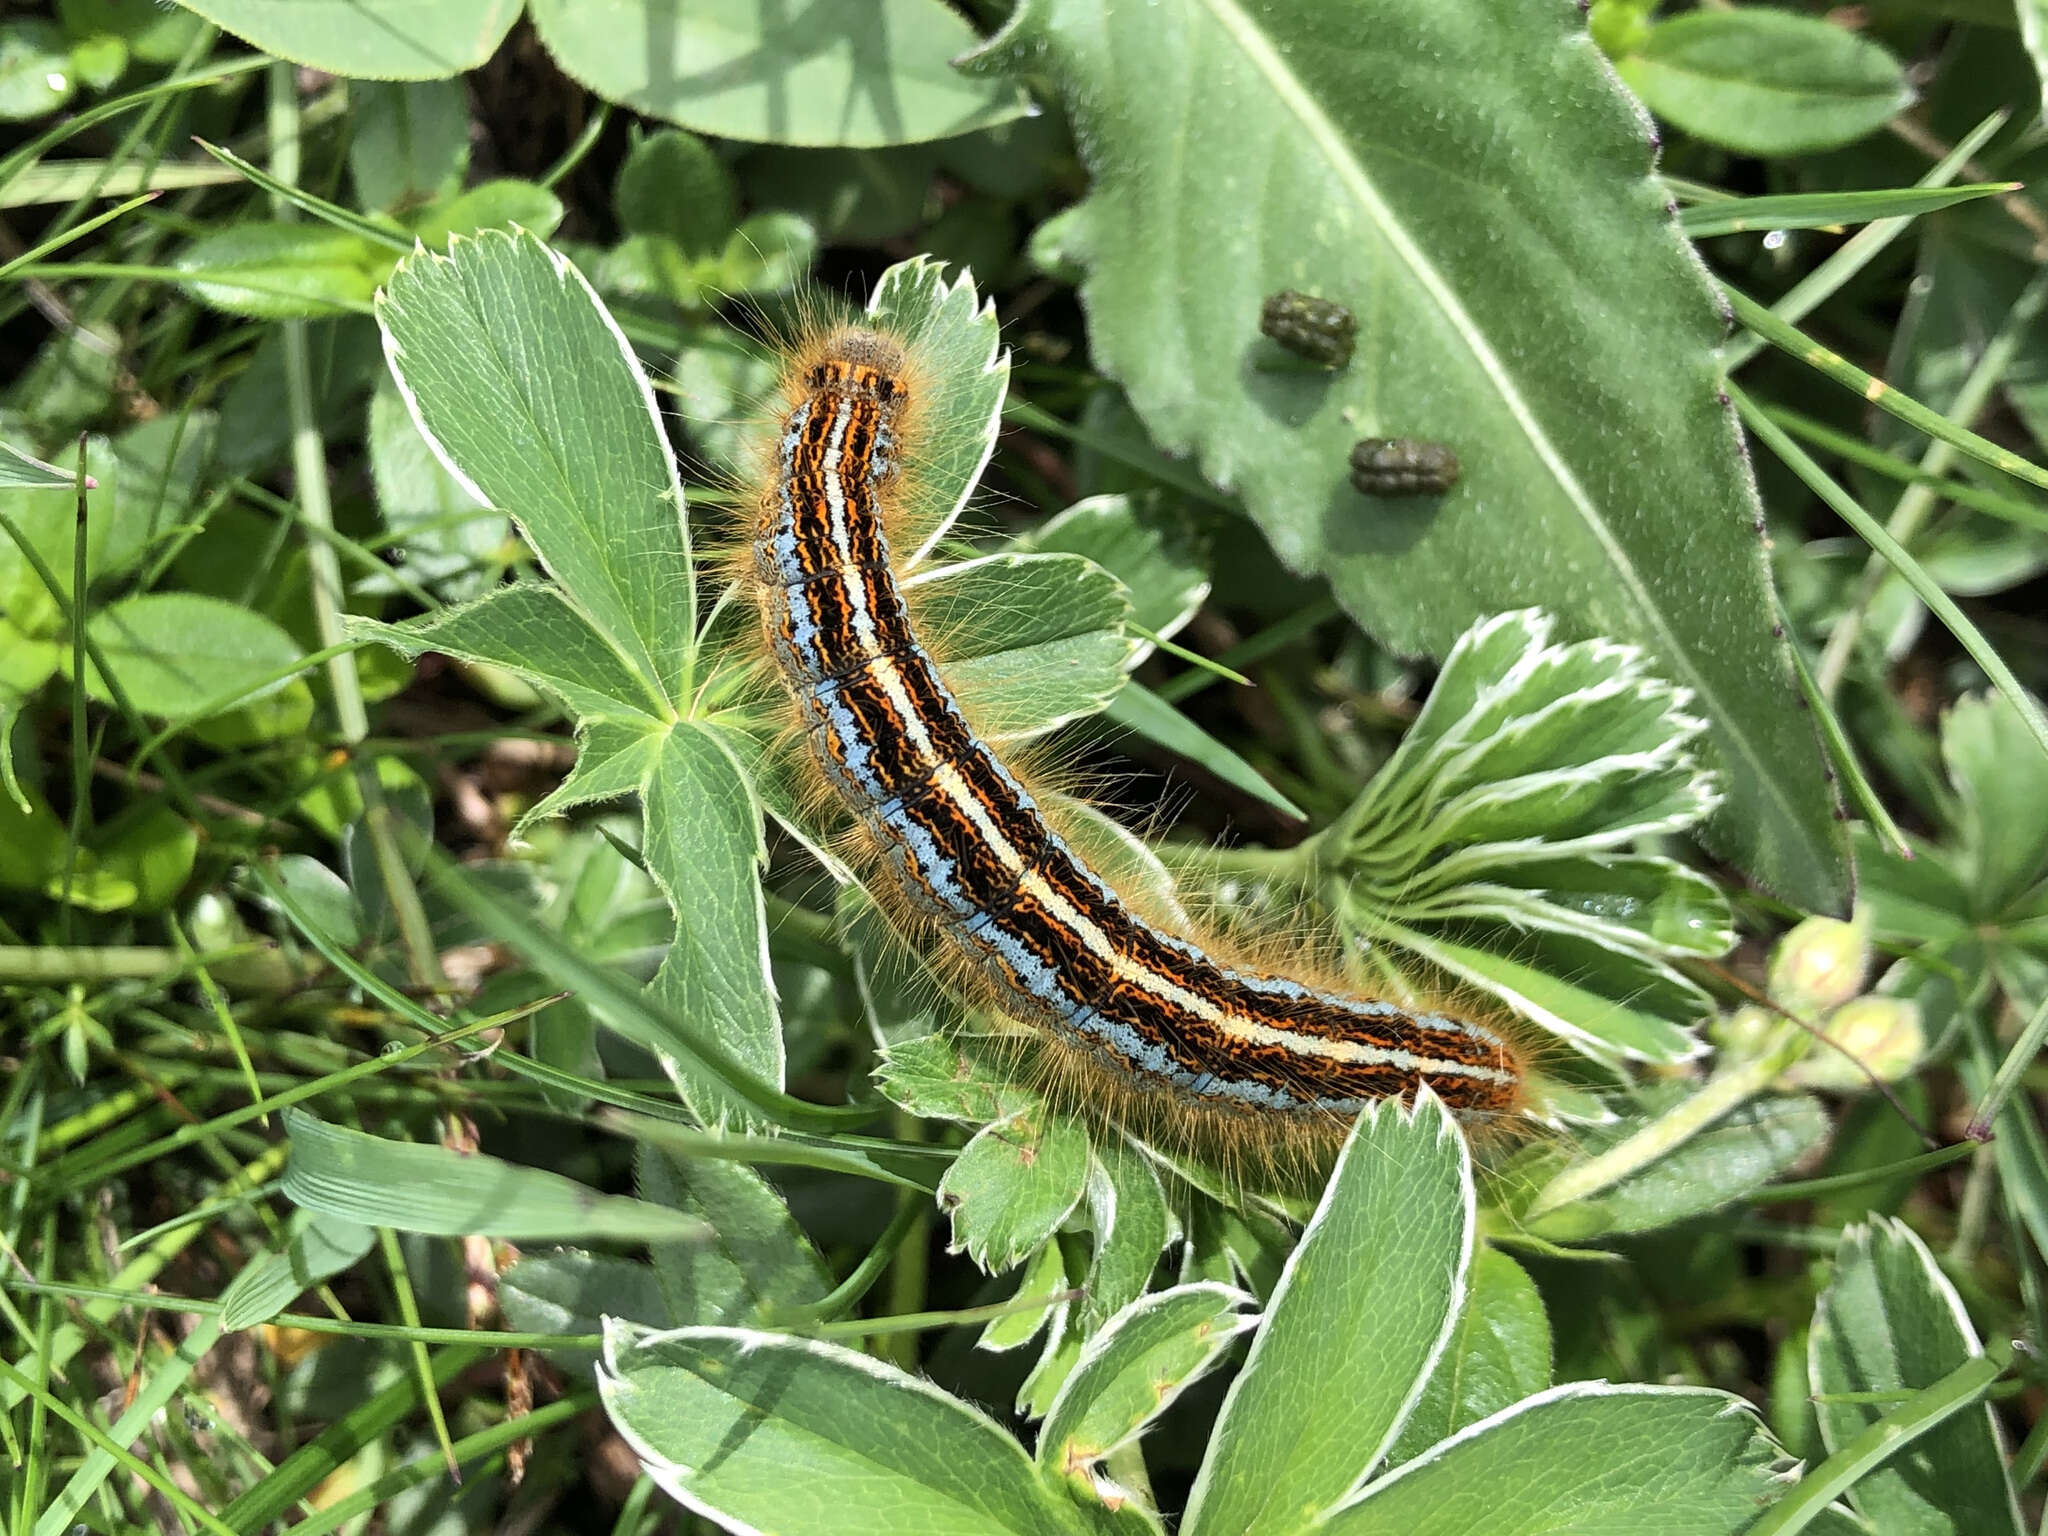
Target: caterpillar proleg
[969,851]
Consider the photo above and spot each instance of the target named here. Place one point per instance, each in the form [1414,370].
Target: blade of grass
[1840,748]
[56,1350]
[217,1003]
[186,1135]
[423,1364]
[2010,1072]
[1774,437]
[1824,210]
[141,272]
[1861,248]
[469,1448]
[1880,394]
[160,1384]
[1924,1410]
[1919,499]
[1814,1189]
[621,1005]
[81,751]
[309,1322]
[2024,514]
[309,473]
[1026,414]
[334,1447]
[183,1502]
[387,235]
[57,242]
[112,177]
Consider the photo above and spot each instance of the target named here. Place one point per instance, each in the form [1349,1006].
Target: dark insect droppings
[1402,466]
[1321,330]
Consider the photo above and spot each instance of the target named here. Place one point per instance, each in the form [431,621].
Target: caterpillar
[969,852]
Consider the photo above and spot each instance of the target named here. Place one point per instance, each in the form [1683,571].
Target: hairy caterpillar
[968,850]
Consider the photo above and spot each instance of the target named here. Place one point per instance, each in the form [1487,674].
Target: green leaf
[703,847]
[1502,816]
[1134,1369]
[1028,642]
[1498,1353]
[152,848]
[320,1247]
[449,541]
[1441,170]
[503,205]
[1153,552]
[1127,1208]
[937,1078]
[417,1187]
[768,1432]
[614,758]
[1586,1456]
[963,374]
[369,39]
[1604,1027]
[1890,1321]
[1362,1312]
[2001,783]
[1742,1152]
[322,898]
[153,35]
[1013,1184]
[1044,1276]
[36,74]
[673,185]
[19,470]
[177,653]
[1765,81]
[758,1258]
[840,72]
[531,629]
[278,271]
[411,142]
[573,1292]
[479,341]
[1138,709]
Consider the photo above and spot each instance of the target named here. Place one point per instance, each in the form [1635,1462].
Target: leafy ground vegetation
[450,1081]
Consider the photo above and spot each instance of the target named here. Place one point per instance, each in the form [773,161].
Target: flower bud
[1819,965]
[1620,28]
[1745,1033]
[1884,1034]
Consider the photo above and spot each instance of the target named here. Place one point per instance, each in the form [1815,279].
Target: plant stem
[1723,1093]
[309,472]
[1876,1445]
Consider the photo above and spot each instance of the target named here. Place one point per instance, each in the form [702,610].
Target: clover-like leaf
[1014,1183]
[1503,828]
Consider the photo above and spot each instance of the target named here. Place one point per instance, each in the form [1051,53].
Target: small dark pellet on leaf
[1402,466]
[1320,330]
